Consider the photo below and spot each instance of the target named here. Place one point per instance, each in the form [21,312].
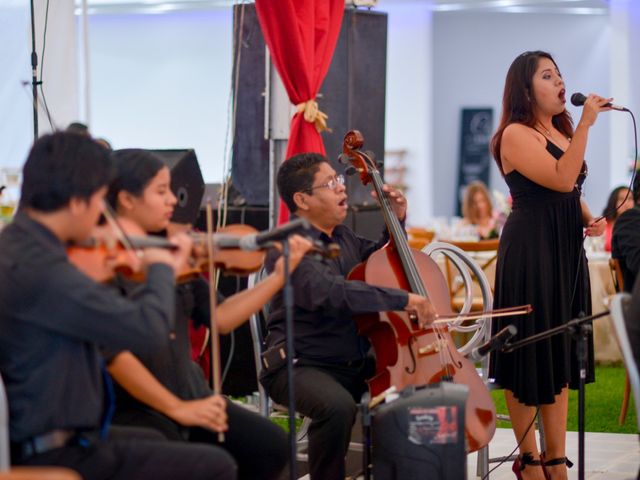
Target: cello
[407,354]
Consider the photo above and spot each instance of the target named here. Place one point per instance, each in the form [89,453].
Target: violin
[106,254]
[407,354]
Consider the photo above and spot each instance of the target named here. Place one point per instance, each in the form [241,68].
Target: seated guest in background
[620,200]
[477,210]
[79,128]
[164,389]
[625,240]
[54,319]
[104,143]
[331,359]
[82,129]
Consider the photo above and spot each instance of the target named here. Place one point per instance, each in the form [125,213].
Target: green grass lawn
[602,404]
[603,400]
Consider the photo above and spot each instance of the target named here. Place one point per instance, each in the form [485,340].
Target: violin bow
[213,327]
[498,312]
[110,216]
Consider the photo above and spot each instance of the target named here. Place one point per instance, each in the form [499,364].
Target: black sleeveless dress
[540,259]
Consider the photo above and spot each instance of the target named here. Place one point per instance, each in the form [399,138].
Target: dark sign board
[475,159]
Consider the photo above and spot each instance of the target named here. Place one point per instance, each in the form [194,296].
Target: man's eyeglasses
[331,184]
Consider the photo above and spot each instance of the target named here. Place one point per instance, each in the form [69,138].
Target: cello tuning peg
[371,156]
[350,170]
[343,159]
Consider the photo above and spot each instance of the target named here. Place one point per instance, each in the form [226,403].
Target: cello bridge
[432,348]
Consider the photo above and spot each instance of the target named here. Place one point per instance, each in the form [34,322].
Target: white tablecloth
[606,347]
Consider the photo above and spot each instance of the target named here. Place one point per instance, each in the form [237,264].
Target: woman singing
[541,259]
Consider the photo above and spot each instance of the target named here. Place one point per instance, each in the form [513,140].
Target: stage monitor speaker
[187,183]
[353,92]
[352,95]
[421,434]
[366,221]
[250,149]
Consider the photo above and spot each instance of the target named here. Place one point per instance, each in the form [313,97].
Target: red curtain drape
[301,36]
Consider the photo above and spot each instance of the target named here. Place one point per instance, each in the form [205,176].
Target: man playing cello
[331,358]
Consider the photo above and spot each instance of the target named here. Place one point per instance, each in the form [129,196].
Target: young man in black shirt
[331,359]
[54,319]
[625,240]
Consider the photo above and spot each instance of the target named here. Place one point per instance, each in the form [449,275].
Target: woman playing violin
[541,258]
[165,390]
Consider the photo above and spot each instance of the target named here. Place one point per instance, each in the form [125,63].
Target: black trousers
[327,395]
[140,454]
[258,446]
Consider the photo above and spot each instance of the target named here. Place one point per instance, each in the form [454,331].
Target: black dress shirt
[625,245]
[325,301]
[53,319]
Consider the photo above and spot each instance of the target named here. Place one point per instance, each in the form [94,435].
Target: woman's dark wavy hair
[135,168]
[610,212]
[518,100]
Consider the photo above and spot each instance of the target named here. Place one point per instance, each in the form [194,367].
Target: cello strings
[445,355]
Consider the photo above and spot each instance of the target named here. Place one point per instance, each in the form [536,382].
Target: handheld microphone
[578,99]
[494,343]
[263,239]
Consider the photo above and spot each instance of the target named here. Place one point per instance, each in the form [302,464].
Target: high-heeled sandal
[526,459]
[553,462]
[556,461]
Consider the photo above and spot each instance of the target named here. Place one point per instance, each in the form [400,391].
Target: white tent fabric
[60,79]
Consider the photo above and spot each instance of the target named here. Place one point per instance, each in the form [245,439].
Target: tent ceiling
[597,7]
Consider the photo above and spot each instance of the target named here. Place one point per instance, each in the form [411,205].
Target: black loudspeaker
[186,183]
[352,94]
[250,150]
[421,434]
[241,372]
[366,221]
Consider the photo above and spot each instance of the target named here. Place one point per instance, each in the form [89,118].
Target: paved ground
[608,456]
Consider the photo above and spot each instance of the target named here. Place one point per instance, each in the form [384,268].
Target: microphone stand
[288,308]
[34,73]
[579,329]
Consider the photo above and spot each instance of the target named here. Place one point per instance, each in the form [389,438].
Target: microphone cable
[44,45]
[508,457]
[629,190]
